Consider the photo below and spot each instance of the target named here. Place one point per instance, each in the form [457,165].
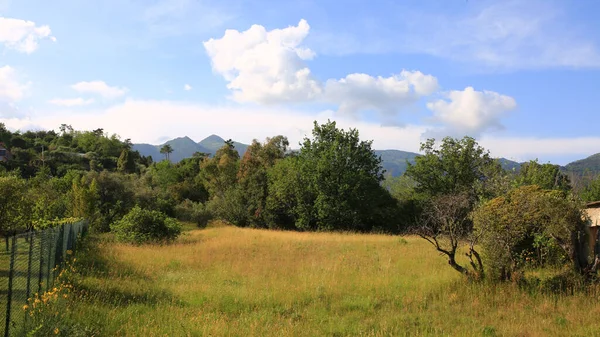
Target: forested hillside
[589,165]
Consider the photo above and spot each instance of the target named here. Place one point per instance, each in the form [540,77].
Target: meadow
[229,281]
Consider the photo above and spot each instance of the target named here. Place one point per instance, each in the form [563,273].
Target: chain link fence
[29,263]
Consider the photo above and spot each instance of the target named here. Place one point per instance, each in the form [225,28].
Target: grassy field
[228,281]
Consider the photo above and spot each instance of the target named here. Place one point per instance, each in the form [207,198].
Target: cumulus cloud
[22,35]
[99,88]
[357,92]
[69,102]
[470,112]
[270,67]
[187,87]
[265,66]
[11,90]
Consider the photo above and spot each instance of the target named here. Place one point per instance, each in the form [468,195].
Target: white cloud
[270,67]
[187,87]
[357,92]
[470,112]
[22,35]
[265,66]
[11,90]
[244,124]
[238,122]
[99,88]
[529,148]
[69,102]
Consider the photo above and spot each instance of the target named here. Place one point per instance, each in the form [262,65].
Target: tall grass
[229,281]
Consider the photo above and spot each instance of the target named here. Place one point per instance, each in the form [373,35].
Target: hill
[590,165]
[214,142]
[395,162]
[183,147]
[509,165]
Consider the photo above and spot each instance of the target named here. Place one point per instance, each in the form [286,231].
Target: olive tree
[446,223]
[453,178]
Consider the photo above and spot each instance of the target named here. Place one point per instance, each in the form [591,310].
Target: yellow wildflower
[56,331]
[25,307]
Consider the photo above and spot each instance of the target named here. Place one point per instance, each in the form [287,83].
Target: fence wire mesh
[29,264]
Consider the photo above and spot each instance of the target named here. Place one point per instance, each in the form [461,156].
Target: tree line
[454,194]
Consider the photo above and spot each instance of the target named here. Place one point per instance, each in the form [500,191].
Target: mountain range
[185,147]
[394,161]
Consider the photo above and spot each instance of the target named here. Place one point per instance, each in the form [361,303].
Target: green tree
[220,172]
[591,192]
[335,181]
[456,166]
[115,197]
[166,150]
[85,199]
[253,178]
[285,194]
[15,205]
[452,179]
[126,163]
[546,176]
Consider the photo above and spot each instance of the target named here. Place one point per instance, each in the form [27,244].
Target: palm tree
[166,150]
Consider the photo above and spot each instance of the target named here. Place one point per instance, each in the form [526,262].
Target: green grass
[229,281]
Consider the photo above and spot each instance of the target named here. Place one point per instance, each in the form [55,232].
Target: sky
[522,77]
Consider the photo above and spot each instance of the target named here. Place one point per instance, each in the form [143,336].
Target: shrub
[195,212]
[230,208]
[140,226]
[530,222]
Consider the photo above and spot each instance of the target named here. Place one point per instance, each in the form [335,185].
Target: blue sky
[520,76]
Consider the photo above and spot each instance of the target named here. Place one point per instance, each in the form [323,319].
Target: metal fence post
[50,231]
[41,272]
[31,239]
[11,275]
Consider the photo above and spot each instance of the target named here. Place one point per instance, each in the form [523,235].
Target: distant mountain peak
[213,138]
[179,139]
[182,142]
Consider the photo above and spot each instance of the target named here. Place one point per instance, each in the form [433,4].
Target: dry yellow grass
[229,281]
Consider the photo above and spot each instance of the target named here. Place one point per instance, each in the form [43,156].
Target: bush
[140,226]
[230,208]
[195,212]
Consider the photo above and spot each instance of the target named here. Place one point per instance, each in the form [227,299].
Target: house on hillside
[592,210]
[4,153]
